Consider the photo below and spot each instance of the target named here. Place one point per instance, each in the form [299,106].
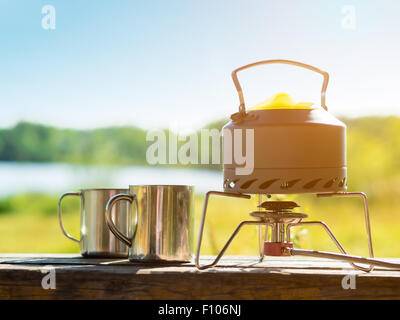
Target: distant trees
[39,143]
[373,149]
[113,145]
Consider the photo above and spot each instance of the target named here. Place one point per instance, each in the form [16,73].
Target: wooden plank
[227,261]
[239,278]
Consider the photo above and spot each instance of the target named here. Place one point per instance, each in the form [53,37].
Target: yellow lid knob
[281,101]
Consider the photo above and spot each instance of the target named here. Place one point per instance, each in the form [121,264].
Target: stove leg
[226,246]
[260,233]
[202,223]
[363,196]
[260,243]
[262,238]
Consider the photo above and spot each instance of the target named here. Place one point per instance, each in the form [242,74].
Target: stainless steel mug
[163,222]
[96,240]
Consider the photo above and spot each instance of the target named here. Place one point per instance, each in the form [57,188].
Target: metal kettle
[297,148]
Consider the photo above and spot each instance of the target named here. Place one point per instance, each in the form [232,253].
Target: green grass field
[29,224]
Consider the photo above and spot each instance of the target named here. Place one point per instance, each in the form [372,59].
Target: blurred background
[81,83]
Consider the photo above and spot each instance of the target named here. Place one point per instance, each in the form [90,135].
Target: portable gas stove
[297,149]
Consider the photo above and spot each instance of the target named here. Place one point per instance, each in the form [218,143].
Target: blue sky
[168,63]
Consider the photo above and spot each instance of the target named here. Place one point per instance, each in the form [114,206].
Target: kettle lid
[281,101]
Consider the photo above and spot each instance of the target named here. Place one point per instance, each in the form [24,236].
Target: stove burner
[278,205]
[278,212]
[278,217]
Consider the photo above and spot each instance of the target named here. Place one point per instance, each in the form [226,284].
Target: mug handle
[60,215]
[110,223]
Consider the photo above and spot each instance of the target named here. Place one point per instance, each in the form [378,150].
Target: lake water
[56,178]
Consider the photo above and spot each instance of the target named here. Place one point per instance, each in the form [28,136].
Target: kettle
[298,147]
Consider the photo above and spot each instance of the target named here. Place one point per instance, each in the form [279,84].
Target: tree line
[373,148]
[31,142]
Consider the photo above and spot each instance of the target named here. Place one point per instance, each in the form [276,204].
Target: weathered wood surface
[235,278]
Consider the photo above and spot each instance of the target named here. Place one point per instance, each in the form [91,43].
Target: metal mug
[95,238]
[163,225]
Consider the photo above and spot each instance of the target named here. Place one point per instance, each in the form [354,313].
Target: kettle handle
[242,108]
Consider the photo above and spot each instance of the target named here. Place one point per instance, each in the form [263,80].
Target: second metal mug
[96,240]
[164,222]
